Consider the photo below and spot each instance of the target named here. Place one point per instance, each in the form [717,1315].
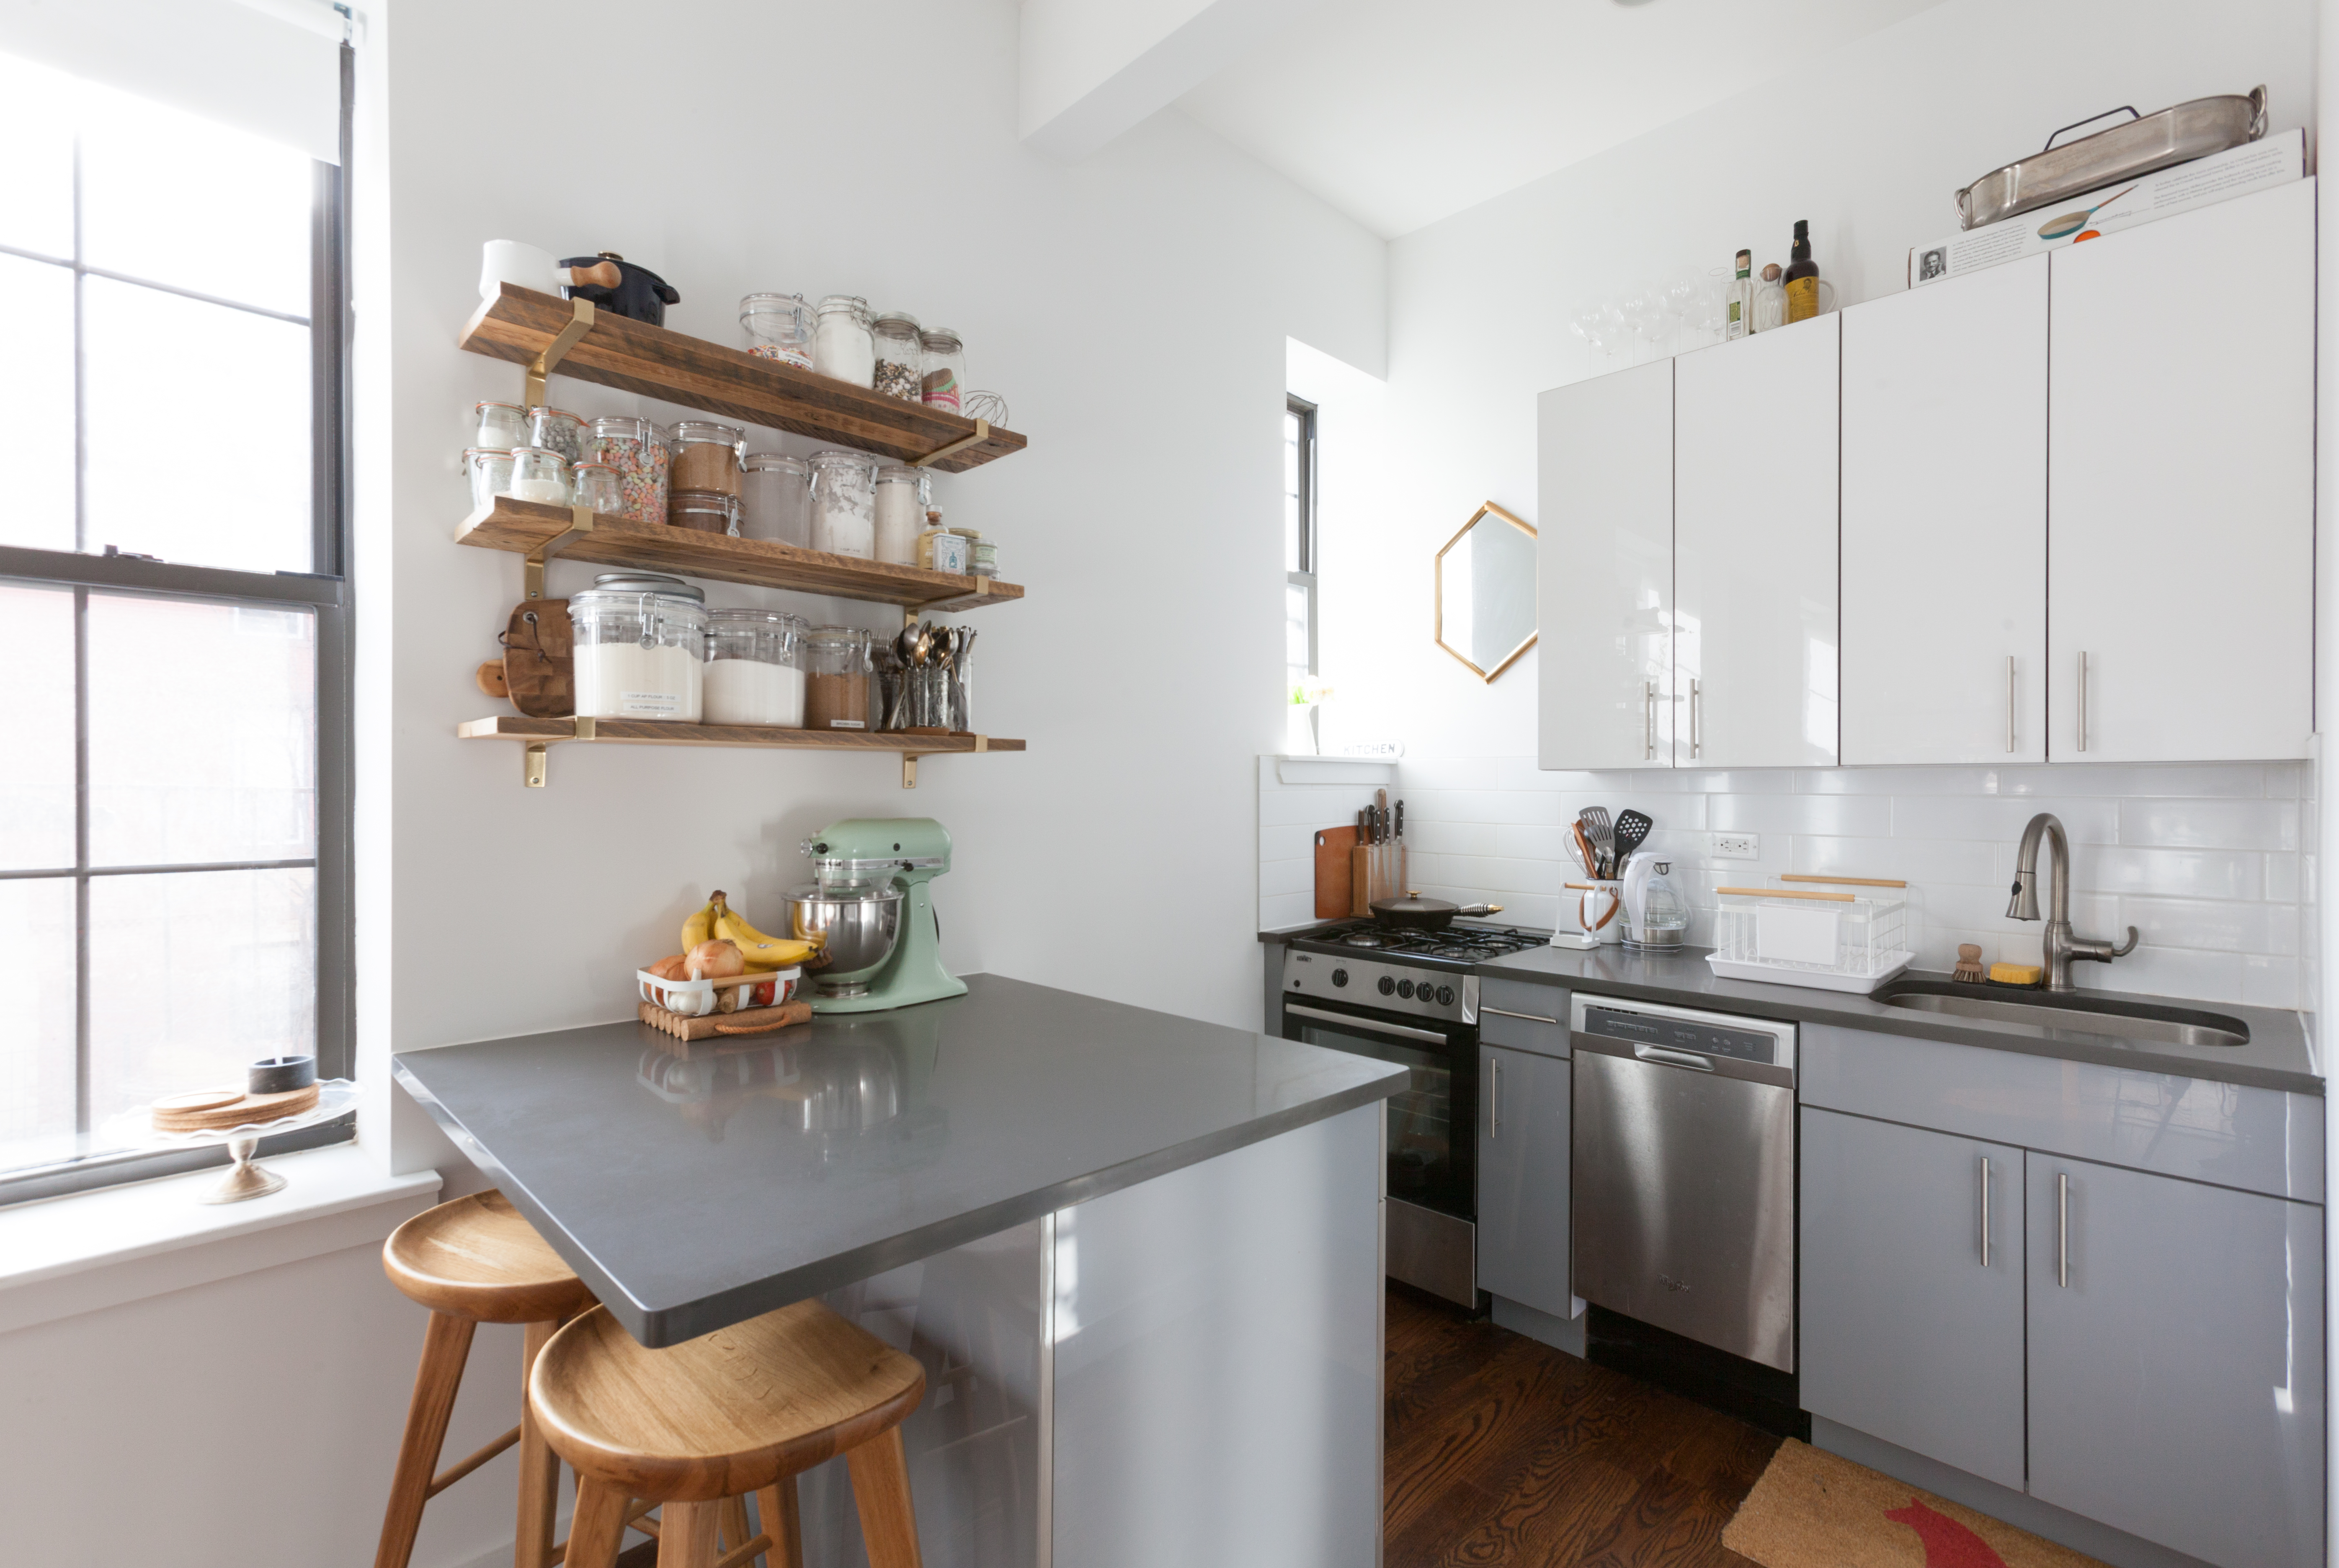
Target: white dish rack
[1805,930]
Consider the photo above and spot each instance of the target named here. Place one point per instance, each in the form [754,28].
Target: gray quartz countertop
[692,1195]
[2277,1056]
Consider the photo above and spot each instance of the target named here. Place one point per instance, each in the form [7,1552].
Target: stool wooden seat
[741,1410]
[470,1261]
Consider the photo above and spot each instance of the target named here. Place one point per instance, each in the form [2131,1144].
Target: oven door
[1432,1134]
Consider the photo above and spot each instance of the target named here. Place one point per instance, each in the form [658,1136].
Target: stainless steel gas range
[1412,998]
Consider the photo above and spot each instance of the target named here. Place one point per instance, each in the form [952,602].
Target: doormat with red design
[1815,1510]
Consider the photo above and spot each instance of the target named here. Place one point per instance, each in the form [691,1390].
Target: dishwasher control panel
[1682,1034]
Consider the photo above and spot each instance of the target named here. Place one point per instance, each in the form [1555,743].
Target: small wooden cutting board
[1334,877]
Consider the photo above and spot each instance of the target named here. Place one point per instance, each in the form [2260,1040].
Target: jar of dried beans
[557,432]
[706,457]
[841,344]
[901,355]
[778,327]
[844,503]
[946,370]
[636,449]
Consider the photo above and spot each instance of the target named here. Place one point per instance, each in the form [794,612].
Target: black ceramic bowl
[279,1074]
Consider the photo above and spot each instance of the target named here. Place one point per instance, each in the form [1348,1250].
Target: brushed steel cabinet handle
[2062,1231]
[1506,1013]
[1495,1098]
[1648,720]
[1696,719]
[2009,702]
[1985,1211]
[2083,700]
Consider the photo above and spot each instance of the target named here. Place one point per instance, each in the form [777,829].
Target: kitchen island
[1115,1238]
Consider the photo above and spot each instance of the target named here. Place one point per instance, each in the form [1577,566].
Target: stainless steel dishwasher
[1684,1166]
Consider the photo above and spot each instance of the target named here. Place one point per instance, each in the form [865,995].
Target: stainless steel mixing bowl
[856,929]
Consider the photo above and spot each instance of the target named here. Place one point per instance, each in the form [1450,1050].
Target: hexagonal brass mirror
[1486,592]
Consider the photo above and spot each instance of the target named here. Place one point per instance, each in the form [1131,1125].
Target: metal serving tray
[2149,141]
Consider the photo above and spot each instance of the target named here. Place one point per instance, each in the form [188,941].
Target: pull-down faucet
[2059,945]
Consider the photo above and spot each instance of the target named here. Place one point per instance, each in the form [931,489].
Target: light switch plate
[1737,846]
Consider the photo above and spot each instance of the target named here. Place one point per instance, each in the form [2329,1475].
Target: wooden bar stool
[474,1260]
[743,1409]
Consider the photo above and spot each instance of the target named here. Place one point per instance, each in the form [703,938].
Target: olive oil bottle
[1739,319]
[1802,276]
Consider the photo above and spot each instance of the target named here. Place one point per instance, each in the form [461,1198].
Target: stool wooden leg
[880,1490]
[446,1345]
[735,1533]
[784,1523]
[540,1467]
[598,1527]
[686,1534]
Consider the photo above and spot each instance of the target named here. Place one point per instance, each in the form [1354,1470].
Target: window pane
[1295,627]
[36,714]
[202,732]
[36,401]
[36,127]
[180,201]
[1293,560]
[36,1047]
[193,976]
[174,385]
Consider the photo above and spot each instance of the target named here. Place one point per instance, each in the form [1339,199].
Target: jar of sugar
[640,647]
[901,514]
[755,668]
[844,503]
[841,344]
[539,474]
[490,470]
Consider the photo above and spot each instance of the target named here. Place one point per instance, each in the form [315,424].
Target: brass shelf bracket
[535,757]
[981,434]
[910,761]
[580,523]
[543,364]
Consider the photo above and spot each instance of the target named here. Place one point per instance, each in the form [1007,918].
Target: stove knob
[1388,986]
[1339,977]
[1445,996]
[1405,989]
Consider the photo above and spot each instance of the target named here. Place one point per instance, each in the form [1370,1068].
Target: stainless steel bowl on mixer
[855,926]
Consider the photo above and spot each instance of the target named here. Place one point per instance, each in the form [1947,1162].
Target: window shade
[270,67]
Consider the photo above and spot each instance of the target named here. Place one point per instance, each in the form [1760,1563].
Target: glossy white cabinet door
[2180,497]
[1605,570]
[1754,550]
[1945,521]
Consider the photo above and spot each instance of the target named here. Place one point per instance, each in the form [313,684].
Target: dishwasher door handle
[1658,1053]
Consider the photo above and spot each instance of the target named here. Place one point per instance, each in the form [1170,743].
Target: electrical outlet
[1737,846]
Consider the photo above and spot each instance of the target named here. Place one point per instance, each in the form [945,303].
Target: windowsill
[89,1250]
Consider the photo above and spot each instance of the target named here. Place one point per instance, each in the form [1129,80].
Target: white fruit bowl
[699,997]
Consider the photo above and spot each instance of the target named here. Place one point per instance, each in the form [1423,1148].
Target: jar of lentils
[636,449]
[901,355]
[502,426]
[778,327]
[946,370]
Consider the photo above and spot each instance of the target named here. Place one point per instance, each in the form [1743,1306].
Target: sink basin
[2074,1013]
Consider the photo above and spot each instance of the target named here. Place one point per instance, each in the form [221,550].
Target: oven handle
[1366,1026]
[1659,1054]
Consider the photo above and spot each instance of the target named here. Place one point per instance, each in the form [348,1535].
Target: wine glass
[1591,326]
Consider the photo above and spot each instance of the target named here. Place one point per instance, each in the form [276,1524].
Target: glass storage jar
[640,647]
[539,474]
[837,679]
[596,486]
[755,668]
[705,457]
[502,427]
[775,499]
[841,344]
[946,370]
[901,514]
[844,503]
[901,355]
[557,432]
[490,469]
[636,449]
[778,327]
[702,511]
[982,560]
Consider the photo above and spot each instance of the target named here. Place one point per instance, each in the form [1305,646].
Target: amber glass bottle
[1802,276]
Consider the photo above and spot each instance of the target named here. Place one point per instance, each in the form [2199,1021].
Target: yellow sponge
[2017,973]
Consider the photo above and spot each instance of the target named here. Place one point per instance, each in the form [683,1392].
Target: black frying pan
[1427,914]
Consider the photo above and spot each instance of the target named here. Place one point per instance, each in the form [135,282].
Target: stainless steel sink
[2075,1014]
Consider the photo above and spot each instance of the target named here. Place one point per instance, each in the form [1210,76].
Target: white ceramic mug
[505,261]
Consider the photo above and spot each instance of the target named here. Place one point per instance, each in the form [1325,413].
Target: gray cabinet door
[2176,1360]
[1907,1335]
[1522,1178]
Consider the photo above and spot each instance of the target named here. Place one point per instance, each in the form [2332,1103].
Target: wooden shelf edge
[517,324]
[524,528]
[657,732]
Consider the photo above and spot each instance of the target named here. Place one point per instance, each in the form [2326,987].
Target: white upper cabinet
[1754,559]
[1945,521]
[2180,494]
[1605,570]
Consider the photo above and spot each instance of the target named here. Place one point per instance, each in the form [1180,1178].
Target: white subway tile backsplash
[2223,925]
[1277,876]
[1851,816]
[1914,861]
[2178,873]
[1998,818]
[2210,823]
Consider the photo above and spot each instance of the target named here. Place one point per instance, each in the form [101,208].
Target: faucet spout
[2057,945]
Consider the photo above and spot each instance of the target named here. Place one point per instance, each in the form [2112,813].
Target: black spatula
[1632,828]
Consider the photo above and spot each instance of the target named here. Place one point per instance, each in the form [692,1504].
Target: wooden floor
[1501,1450]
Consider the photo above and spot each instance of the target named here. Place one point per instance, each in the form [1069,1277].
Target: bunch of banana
[719,921]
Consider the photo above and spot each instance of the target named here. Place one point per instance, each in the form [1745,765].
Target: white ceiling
[1400,113]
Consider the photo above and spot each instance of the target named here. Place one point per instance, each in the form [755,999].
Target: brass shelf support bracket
[981,434]
[580,523]
[544,363]
[910,761]
[538,751]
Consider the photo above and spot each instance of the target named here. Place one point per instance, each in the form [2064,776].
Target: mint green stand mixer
[869,909]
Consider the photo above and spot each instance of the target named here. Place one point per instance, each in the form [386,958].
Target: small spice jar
[778,327]
[984,558]
[755,668]
[941,549]
[705,457]
[775,499]
[901,514]
[557,432]
[637,448]
[502,426]
[539,474]
[837,682]
[489,470]
[946,370]
[597,487]
[844,503]
[841,344]
[640,647]
[901,355]
[702,511]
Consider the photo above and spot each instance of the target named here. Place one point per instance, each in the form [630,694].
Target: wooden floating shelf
[540,734]
[521,324]
[532,529]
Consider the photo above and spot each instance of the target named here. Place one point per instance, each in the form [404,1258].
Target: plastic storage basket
[1813,930]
